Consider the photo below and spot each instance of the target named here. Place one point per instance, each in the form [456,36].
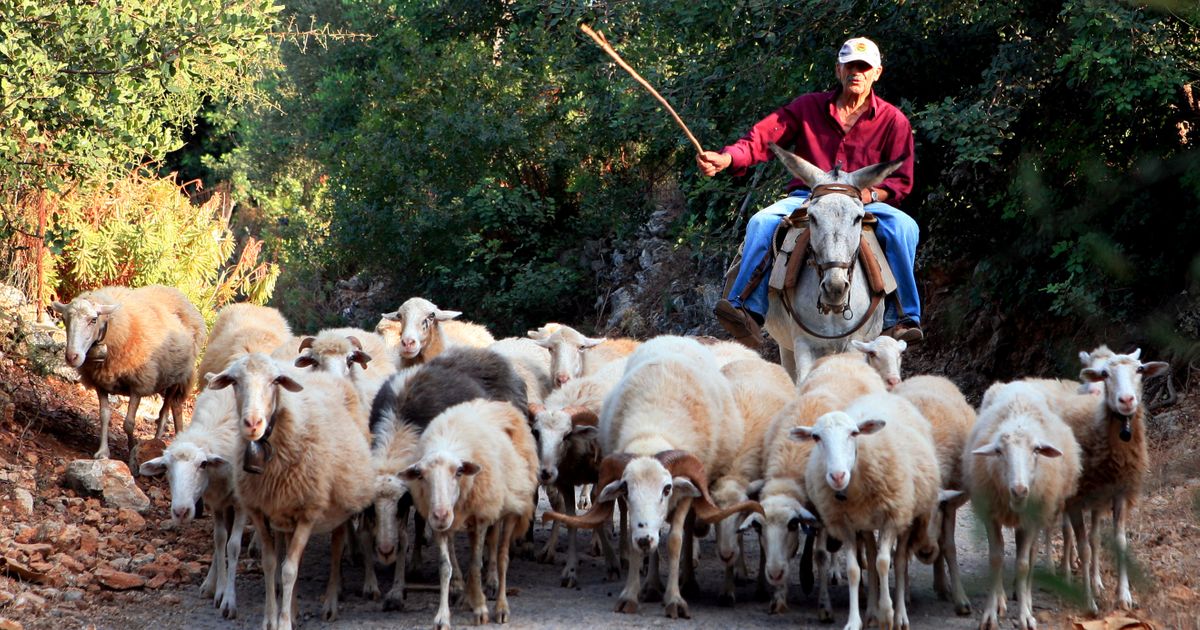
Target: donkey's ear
[869,176]
[798,166]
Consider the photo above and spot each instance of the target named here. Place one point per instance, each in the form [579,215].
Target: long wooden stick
[603,43]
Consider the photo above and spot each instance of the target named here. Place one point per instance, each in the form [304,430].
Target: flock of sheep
[348,430]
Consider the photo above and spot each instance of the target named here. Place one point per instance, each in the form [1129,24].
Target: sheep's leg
[822,557]
[1026,542]
[653,592]
[1120,516]
[1068,547]
[160,423]
[568,578]
[688,584]
[1094,543]
[623,540]
[949,550]
[130,425]
[456,585]
[676,607]
[270,564]
[329,610]
[853,575]
[442,620]
[883,565]
[760,580]
[584,500]
[105,418]
[211,585]
[1085,559]
[475,601]
[993,608]
[493,578]
[546,555]
[628,601]
[900,618]
[505,541]
[366,542]
[612,564]
[728,597]
[741,570]
[394,600]
[177,410]
[233,549]
[419,541]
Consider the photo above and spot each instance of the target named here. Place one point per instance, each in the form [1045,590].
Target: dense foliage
[468,149]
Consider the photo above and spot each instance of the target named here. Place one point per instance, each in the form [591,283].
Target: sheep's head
[1017,446]
[778,530]
[187,467]
[410,327]
[728,492]
[86,323]
[834,220]
[556,430]
[445,477]
[1122,377]
[1094,359]
[568,348]
[333,353]
[389,489]
[652,486]
[835,435]
[256,379]
[883,354]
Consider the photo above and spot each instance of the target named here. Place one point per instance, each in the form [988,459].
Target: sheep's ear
[412,473]
[755,488]
[902,345]
[109,309]
[288,383]
[394,316]
[862,347]
[154,467]
[754,520]
[585,431]
[468,468]
[537,335]
[1085,358]
[1153,368]
[801,434]
[987,449]
[1136,354]
[1046,450]
[592,342]
[214,461]
[802,517]
[536,408]
[685,488]
[946,496]
[611,491]
[218,381]
[59,307]
[544,342]
[305,361]
[359,357]
[442,316]
[1092,375]
[867,427]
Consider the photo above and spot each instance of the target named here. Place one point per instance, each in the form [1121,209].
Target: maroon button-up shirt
[810,125]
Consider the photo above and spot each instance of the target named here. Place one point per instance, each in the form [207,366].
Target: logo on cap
[860,47]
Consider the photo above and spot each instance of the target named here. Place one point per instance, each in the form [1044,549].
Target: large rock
[119,580]
[24,501]
[108,479]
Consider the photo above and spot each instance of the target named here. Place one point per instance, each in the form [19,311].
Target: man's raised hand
[711,162]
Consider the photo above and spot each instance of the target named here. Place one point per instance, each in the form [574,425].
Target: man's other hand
[711,162]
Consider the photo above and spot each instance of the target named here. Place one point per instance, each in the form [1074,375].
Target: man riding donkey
[847,129]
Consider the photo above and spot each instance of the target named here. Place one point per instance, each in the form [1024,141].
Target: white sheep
[419,331]
[199,466]
[531,362]
[668,424]
[951,418]
[1095,360]
[874,467]
[761,390]
[1112,435]
[477,469]
[1020,464]
[834,382]
[314,466]
[241,329]
[883,354]
[573,355]
[353,353]
[569,454]
[135,343]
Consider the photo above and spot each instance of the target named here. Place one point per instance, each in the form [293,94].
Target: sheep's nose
[546,475]
[726,556]
[893,381]
[385,551]
[1126,400]
[643,542]
[838,478]
[562,378]
[181,512]
[775,576]
[1019,490]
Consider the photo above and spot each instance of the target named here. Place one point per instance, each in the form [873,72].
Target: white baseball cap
[860,49]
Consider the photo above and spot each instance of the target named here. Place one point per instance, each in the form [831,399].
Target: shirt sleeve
[898,144]
[779,127]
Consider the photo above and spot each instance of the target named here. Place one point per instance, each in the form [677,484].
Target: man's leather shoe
[905,331]
[738,323]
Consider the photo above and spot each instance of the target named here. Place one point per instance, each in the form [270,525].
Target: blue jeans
[897,234]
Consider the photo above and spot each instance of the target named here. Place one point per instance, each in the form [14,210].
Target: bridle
[844,309]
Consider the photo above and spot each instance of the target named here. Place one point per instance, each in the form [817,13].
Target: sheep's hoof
[568,581]
[209,589]
[778,606]
[652,594]
[824,615]
[627,606]
[612,574]
[546,555]
[393,601]
[675,610]
[1027,622]
[480,615]
[1126,603]
[690,588]
[371,592]
[441,625]
[963,609]
[502,613]
[228,609]
[726,600]
[329,611]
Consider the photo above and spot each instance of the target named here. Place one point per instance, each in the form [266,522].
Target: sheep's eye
[458,473]
[1140,369]
[94,320]
[667,490]
[582,349]
[816,438]
[854,434]
[794,524]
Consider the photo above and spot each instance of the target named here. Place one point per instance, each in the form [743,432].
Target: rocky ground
[109,558]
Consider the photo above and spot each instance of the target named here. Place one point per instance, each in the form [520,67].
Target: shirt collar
[872,107]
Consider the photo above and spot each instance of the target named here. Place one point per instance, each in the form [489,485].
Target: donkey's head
[835,217]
